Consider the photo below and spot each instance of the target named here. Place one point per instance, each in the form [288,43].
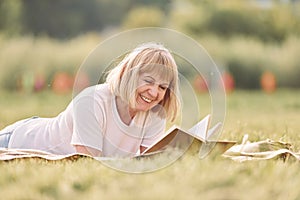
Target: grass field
[262,116]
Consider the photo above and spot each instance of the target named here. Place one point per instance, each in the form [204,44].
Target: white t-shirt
[92,120]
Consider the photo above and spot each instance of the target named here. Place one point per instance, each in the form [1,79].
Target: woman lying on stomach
[118,118]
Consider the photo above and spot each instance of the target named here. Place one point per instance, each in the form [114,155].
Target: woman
[118,118]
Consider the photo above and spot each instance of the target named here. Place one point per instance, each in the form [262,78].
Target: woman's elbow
[88,150]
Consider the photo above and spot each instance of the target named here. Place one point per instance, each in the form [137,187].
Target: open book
[200,131]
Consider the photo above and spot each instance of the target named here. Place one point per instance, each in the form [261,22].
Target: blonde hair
[153,58]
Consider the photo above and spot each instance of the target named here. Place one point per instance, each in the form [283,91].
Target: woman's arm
[88,119]
[87,150]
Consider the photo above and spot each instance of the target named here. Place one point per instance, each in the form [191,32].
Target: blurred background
[44,42]
[256,43]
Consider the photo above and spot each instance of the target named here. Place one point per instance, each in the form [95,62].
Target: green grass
[260,115]
[15,106]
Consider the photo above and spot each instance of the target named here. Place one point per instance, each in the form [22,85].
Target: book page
[200,129]
[163,141]
[211,133]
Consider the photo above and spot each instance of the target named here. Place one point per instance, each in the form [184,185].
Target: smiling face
[150,92]
[146,77]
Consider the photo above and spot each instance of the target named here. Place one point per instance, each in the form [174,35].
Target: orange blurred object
[82,81]
[228,81]
[200,84]
[62,83]
[268,82]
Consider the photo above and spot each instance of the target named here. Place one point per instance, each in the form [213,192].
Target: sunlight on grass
[261,115]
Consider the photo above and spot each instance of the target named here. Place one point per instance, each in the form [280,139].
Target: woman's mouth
[146,99]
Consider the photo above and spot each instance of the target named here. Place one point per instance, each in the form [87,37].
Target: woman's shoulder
[96,92]
[99,89]
[102,90]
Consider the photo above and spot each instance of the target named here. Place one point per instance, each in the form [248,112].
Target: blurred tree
[231,18]
[163,5]
[64,18]
[229,22]
[144,17]
[283,21]
[10,15]
[246,74]
[188,18]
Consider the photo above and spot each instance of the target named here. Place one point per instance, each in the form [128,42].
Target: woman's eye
[163,87]
[148,81]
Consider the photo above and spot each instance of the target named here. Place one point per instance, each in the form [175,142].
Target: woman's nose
[154,90]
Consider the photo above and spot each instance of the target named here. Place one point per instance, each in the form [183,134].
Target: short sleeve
[88,122]
[154,131]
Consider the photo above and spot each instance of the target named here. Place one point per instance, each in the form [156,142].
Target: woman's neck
[125,112]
